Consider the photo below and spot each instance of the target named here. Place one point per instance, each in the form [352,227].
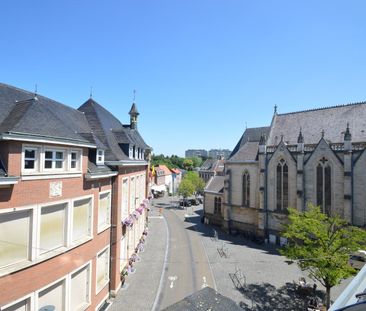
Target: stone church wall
[359,191]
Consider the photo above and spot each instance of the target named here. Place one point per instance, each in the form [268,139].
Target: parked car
[358,259]
[194,201]
[185,202]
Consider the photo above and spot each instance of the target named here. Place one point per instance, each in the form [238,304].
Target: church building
[315,156]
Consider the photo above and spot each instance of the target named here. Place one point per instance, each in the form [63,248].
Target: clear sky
[203,69]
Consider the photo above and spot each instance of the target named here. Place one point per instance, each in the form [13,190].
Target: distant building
[196,153]
[219,153]
[211,168]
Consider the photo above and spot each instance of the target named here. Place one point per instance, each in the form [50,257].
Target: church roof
[247,152]
[333,120]
[23,112]
[250,134]
[213,165]
[216,184]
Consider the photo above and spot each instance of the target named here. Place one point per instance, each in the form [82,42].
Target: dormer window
[54,159]
[130,153]
[31,157]
[100,157]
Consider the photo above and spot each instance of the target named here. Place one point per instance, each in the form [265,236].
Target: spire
[300,138]
[133,113]
[347,134]
[322,133]
[275,109]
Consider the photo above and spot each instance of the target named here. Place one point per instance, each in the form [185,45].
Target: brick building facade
[63,202]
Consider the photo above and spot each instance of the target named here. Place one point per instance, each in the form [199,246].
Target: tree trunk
[328,296]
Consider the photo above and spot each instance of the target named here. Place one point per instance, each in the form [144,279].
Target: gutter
[91,176]
[45,139]
[12,180]
[125,163]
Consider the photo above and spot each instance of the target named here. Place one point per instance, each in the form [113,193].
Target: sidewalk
[144,283]
[267,276]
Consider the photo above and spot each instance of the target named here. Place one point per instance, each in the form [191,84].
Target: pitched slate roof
[333,120]
[250,134]
[110,131]
[23,112]
[213,165]
[204,300]
[216,184]
[247,152]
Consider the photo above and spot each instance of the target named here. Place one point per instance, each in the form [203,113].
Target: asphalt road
[187,268]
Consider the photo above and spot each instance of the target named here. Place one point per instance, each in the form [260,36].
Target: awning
[159,188]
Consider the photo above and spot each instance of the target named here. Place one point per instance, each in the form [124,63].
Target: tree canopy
[321,245]
[190,184]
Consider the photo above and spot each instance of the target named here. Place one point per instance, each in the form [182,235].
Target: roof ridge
[323,108]
[32,95]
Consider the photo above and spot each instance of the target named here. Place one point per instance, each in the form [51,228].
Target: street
[187,269]
[255,276]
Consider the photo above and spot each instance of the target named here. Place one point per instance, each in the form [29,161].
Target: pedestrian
[314,288]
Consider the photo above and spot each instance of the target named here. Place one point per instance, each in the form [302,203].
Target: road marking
[172,279]
[204,282]
[156,217]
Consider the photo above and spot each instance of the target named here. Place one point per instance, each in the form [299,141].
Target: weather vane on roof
[35,90]
[134,95]
[91,92]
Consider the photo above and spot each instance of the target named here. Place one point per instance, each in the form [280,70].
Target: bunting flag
[153,170]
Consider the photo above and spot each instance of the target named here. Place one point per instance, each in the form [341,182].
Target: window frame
[108,250]
[40,160]
[246,189]
[101,161]
[91,218]
[102,228]
[280,185]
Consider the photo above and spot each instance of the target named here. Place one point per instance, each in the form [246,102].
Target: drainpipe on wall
[266,234]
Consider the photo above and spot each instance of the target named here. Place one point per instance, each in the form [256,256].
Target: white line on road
[154,307]
[209,264]
[156,217]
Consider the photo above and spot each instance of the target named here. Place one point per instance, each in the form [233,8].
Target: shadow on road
[237,239]
[265,296]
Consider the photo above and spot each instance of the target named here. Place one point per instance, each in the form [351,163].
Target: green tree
[198,183]
[197,161]
[188,164]
[186,188]
[321,245]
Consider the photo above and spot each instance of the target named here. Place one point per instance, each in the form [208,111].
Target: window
[53,159]
[81,219]
[45,160]
[246,189]
[52,227]
[75,160]
[100,157]
[104,211]
[124,207]
[217,207]
[53,296]
[80,287]
[282,185]
[15,236]
[102,269]
[133,194]
[23,305]
[323,186]
[31,157]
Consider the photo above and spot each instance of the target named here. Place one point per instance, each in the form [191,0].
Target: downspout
[112,234]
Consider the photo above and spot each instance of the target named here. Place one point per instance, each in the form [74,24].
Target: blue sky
[203,69]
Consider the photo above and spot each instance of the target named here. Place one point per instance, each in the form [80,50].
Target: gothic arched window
[246,189]
[219,205]
[323,186]
[282,185]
